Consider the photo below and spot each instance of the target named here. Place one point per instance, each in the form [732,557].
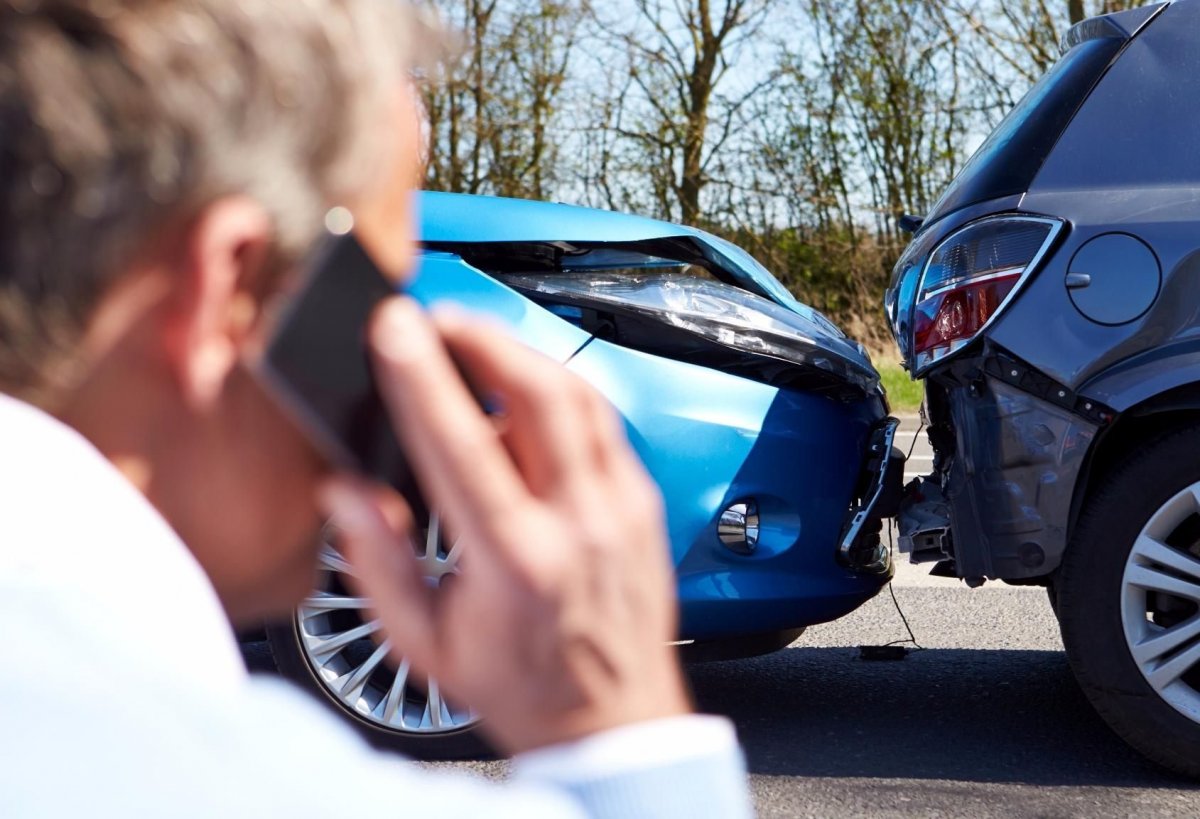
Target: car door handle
[1077,281]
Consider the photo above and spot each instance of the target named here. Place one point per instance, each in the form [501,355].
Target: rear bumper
[1009,447]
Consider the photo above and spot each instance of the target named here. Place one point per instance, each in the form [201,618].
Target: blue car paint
[708,438]
[444,277]
[451,217]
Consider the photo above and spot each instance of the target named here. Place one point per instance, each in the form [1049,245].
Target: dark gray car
[1051,303]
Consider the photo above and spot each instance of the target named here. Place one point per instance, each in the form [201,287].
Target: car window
[1009,159]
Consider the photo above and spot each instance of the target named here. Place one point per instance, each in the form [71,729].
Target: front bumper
[711,439]
[880,489]
[1009,447]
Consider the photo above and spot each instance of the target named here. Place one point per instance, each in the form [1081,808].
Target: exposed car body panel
[1011,477]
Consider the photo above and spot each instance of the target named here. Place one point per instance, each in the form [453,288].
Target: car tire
[1131,577]
[1052,596]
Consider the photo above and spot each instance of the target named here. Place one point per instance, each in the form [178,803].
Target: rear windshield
[1010,158]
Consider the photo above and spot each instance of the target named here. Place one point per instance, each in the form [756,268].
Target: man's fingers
[457,453]
[373,531]
[549,409]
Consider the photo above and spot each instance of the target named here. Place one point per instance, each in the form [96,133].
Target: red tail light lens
[948,320]
[971,277]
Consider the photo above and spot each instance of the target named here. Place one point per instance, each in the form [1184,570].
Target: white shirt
[123,692]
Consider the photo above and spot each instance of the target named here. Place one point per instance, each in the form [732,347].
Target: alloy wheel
[347,651]
[1160,602]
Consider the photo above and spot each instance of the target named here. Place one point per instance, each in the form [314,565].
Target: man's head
[163,165]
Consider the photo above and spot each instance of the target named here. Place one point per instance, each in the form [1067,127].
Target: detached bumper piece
[1011,442]
[881,487]
[924,523]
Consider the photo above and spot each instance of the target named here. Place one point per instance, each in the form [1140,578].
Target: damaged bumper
[1009,446]
[861,548]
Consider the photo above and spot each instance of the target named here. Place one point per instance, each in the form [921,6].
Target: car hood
[454,218]
[449,221]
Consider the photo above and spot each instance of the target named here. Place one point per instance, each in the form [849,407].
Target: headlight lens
[971,277]
[713,310]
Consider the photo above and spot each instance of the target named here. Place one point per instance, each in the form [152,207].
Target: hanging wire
[913,445]
[866,651]
[912,638]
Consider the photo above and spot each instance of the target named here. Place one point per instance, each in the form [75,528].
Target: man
[164,167]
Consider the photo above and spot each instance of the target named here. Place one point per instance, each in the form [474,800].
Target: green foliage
[904,394]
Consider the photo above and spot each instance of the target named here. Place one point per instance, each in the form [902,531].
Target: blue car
[765,427]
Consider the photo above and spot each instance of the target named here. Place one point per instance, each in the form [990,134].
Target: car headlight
[718,312]
[971,277]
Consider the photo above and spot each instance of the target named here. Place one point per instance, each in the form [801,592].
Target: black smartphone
[317,366]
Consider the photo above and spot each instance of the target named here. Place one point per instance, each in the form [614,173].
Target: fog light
[738,527]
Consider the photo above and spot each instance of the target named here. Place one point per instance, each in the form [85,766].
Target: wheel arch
[1152,417]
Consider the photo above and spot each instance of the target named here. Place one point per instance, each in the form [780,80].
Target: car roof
[458,217]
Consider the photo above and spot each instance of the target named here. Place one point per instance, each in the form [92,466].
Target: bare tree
[493,113]
[1007,44]
[892,83]
[454,103]
[682,109]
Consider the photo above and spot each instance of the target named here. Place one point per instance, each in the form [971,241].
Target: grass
[904,394]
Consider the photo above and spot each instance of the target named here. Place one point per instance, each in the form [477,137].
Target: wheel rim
[1160,603]
[347,650]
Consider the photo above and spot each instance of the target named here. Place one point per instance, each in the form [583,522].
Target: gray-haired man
[164,164]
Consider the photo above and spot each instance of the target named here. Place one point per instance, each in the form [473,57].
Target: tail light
[971,277]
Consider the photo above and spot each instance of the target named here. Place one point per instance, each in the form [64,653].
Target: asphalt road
[985,721]
[916,446]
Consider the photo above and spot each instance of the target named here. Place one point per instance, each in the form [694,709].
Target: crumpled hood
[448,219]
[452,218]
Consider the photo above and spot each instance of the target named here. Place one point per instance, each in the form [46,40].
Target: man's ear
[221,259]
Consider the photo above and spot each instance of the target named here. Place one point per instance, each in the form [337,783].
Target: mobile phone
[316,364]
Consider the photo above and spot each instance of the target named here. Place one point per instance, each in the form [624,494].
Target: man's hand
[558,624]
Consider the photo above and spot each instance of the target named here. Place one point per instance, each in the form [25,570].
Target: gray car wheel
[334,648]
[1129,601]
